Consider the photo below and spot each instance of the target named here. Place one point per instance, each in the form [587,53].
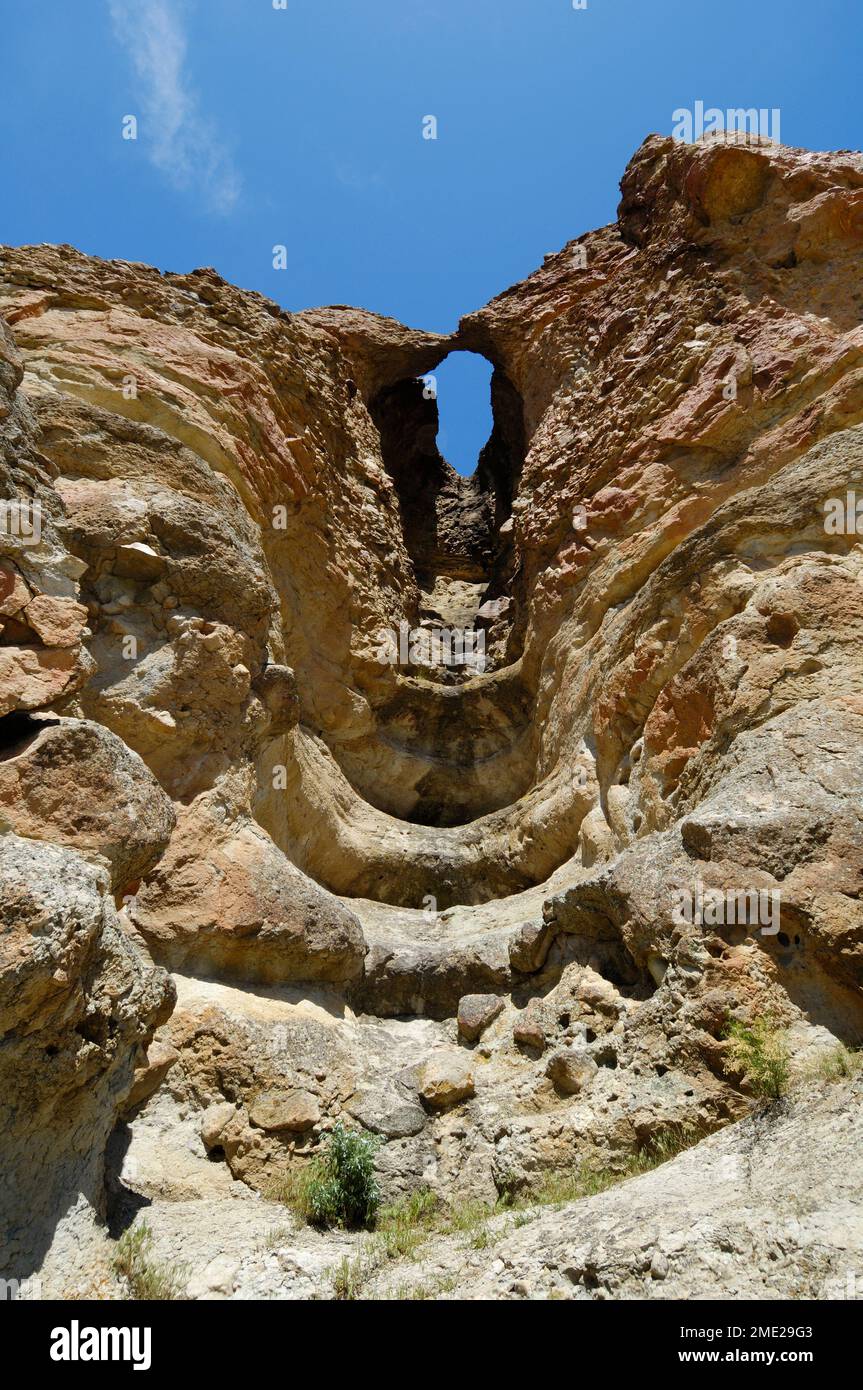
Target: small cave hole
[94,1030]
[19,729]
[605,1055]
[782,629]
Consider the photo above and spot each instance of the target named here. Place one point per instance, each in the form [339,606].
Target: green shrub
[758,1050]
[342,1189]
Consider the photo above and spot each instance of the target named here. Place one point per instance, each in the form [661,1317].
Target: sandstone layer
[442,903]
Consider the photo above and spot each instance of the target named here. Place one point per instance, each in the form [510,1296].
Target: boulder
[73,782]
[529,1029]
[571,1069]
[77,1005]
[445,1080]
[214,1121]
[159,1058]
[476,1012]
[530,946]
[385,1110]
[296,1111]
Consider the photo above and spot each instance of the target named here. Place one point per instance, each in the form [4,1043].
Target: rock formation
[444,903]
[767,1209]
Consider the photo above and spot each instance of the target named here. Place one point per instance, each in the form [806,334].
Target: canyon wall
[211,767]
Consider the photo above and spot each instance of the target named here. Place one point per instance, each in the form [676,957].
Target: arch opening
[461,384]
[451,519]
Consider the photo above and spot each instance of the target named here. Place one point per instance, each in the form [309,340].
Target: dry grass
[404,1228]
[146,1278]
[834,1064]
[759,1051]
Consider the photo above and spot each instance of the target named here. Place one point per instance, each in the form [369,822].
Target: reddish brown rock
[74,783]
[56,621]
[476,1012]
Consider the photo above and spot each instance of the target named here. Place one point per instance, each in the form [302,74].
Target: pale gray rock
[77,1004]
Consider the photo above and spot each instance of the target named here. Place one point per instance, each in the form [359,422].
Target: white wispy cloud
[177,137]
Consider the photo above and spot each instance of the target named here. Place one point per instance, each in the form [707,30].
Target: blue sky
[303,127]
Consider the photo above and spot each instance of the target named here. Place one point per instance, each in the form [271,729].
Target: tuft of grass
[400,1229]
[410,1224]
[292,1189]
[466,1216]
[407,1293]
[147,1280]
[418,1294]
[835,1064]
[274,1237]
[403,1226]
[508,1187]
[758,1050]
[349,1276]
[589,1179]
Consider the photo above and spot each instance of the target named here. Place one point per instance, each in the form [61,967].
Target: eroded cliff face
[329,849]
